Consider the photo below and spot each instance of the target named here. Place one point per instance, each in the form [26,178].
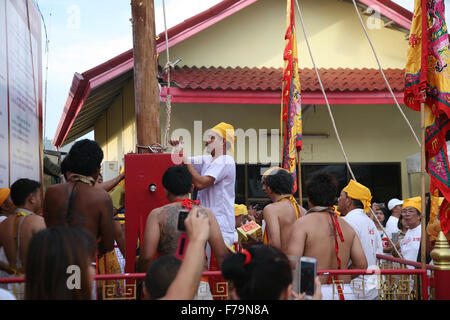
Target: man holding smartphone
[162,229]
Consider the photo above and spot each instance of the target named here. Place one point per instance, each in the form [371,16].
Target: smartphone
[308,273]
[395,237]
[182,215]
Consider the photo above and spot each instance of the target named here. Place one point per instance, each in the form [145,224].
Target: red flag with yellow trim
[291,98]
[427,81]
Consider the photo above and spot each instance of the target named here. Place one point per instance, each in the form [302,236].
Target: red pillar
[441,259]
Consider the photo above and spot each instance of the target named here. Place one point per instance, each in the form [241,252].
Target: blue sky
[85,33]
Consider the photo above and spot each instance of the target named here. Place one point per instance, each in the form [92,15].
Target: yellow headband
[357,191]
[415,202]
[240,209]
[226,131]
[4,194]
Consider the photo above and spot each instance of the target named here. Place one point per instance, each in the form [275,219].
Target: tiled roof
[269,79]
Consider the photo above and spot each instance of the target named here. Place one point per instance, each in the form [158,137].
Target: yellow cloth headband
[4,194]
[240,209]
[226,131]
[357,191]
[415,202]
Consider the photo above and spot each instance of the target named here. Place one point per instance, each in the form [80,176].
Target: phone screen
[394,237]
[307,276]
[181,217]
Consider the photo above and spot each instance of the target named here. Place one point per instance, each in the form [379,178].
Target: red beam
[402,261]
[133,276]
[274,97]
[392,11]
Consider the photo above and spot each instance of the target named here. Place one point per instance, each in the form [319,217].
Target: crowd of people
[59,245]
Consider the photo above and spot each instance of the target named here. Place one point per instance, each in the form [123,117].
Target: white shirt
[391,225]
[410,244]
[367,233]
[219,197]
[5,295]
[4,259]
[384,241]
[371,242]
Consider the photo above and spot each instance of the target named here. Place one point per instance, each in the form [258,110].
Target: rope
[323,91]
[384,76]
[334,123]
[395,99]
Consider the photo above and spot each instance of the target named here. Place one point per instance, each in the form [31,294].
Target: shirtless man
[280,215]
[316,233]
[26,196]
[161,234]
[77,202]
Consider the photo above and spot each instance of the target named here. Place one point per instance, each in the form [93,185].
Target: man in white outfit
[354,204]
[395,206]
[410,244]
[214,176]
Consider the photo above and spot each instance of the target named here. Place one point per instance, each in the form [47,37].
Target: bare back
[161,235]
[84,206]
[30,226]
[314,236]
[280,218]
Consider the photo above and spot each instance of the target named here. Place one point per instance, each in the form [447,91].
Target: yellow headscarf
[240,209]
[226,131]
[356,190]
[415,202]
[4,194]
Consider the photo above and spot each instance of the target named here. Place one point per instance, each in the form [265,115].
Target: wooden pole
[422,185]
[146,90]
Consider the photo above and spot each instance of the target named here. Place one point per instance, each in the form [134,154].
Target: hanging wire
[167,68]
[323,91]
[384,76]
[334,123]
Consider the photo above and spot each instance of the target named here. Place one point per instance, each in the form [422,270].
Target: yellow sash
[297,214]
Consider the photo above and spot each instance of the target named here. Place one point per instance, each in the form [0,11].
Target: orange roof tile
[270,79]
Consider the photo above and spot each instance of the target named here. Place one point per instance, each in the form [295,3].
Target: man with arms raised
[80,204]
[161,235]
[325,236]
[214,176]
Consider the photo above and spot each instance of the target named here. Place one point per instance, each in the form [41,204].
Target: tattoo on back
[331,230]
[168,240]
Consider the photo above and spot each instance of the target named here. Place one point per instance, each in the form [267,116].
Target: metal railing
[392,279]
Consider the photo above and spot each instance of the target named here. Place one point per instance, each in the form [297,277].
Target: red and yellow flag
[428,81]
[291,98]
